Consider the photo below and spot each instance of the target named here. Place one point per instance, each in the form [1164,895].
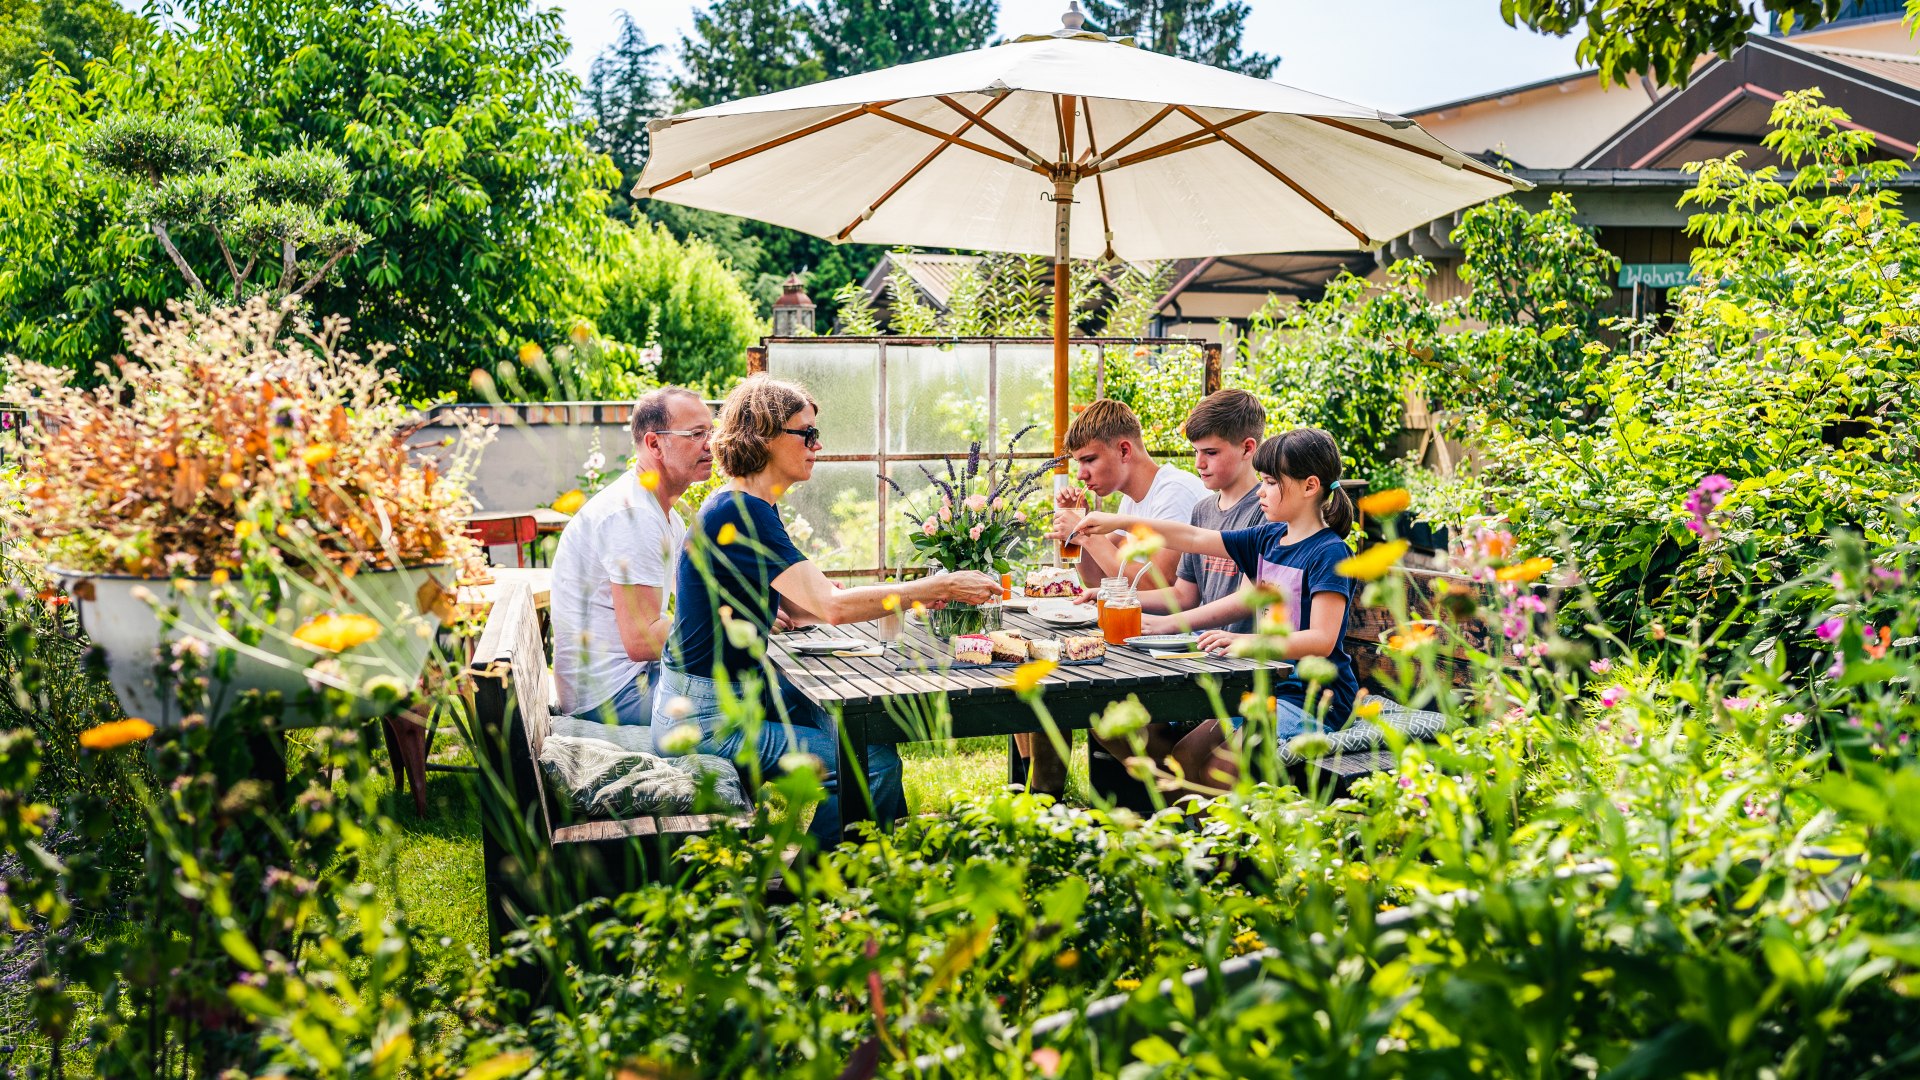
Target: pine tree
[1200,30]
[625,89]
[852,36]
[742,48]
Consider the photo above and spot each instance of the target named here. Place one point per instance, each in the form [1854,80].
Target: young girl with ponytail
[1295,552]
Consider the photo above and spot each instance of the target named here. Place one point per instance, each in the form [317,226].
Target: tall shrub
[655,289]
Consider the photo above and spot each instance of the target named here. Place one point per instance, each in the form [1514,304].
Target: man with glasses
[614,571]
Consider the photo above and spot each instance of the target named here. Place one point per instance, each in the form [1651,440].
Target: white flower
[682,740]
[797,761]
[595,462]
[191,646]
[678,707]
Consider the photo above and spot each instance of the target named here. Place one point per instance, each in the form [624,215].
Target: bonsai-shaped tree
[261,212]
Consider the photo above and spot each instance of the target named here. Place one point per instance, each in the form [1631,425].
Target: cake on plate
[1053,581]
[973,649]
[1044,649]
[1008,645]
[1083,647]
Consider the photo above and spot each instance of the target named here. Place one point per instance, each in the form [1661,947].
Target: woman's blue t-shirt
[738,574]
[1299,571]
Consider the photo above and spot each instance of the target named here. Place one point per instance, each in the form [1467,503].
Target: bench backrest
[511,692]
[1367,626]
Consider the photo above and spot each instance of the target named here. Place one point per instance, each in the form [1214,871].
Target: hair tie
[1333,487]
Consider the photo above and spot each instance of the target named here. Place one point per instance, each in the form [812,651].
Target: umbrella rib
[1274,171]
[765,146]
[1141,130]
[1099,185]
[955,140]
[1469,165]
[979,120]
[924,162]
[1192,140]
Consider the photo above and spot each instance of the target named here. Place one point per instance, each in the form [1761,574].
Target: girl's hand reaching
[1098,524]
[1217,642]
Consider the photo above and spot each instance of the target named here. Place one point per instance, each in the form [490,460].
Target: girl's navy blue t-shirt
[738,574]
[1299,571]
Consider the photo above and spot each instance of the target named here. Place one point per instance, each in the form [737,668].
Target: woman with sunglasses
[740,567]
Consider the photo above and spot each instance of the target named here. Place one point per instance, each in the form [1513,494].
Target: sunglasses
[810,433]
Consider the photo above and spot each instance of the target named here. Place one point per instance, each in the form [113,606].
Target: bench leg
[856,802]
[407,745]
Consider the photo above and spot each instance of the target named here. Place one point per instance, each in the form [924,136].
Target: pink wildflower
[1703,500]
[1829,630]
[1600,666]
[1613,695]
[1047,1060]
[1795,720]
[1738,704]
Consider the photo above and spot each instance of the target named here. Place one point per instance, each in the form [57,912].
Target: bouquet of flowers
[978,519]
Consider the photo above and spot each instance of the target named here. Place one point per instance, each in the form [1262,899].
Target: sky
[1397,55]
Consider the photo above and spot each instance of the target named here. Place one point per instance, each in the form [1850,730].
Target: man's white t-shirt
[621,537]
[1171,497]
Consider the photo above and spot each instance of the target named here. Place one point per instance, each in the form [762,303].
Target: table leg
[856,802]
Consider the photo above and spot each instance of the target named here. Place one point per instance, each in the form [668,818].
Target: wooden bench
[538,858]
[1359,748]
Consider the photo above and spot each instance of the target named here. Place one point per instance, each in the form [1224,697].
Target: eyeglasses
[696,434]
[809,433]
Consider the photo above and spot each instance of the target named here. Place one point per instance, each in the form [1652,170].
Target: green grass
[434,863]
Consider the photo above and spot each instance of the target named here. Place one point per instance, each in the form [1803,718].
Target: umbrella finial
[1073,21]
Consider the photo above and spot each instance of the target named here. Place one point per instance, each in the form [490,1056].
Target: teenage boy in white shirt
[614,571]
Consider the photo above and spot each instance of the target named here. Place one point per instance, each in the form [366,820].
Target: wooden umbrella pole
[1062,300]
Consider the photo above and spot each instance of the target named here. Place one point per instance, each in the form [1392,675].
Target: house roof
[934,273]
[1894,67]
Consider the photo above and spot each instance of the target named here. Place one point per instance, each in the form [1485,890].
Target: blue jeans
[805,727]
[1289,719]
[633,705]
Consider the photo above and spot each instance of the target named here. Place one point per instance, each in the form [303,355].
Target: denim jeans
[1289,719]
[633,705]
[805,727]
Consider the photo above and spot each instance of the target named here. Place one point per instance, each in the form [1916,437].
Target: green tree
[73,33]
[652,288]
[742,48]
[626,87]
[852,36]
[1628,38]
[1201,30]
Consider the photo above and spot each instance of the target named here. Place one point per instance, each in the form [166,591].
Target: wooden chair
[520,530]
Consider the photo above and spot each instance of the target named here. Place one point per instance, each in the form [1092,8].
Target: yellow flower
[1385,503]
[531,354]
[891,602]
[116,733]
[1412,637]
[337,632]
[316,455]
[229,480]
[580,331]
[1248,703]
[1028,675]
[1067,960]
[779,490]
[1368,709]
[571,502]
[1142,543]
[1126,984]
[220,576]
[727,535]
[1526,571]
[242,529]
[1373,563]
[650,480]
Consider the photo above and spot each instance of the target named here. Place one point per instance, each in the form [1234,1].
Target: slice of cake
[1044,649]
[1053,581]
[973,649]
[1008,645]
[1083,647]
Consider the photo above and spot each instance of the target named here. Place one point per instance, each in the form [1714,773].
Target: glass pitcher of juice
[1119,612]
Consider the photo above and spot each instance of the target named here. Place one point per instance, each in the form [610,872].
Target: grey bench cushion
[604,772]
[1362,736]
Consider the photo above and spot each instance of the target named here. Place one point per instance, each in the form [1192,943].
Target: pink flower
[1795,720]
[1020,517]
[976,503]
[946,512]
[974,533]
[1738,704]
[930,528]
[1703,500]
[1613,695]
[1600,666]
[1000,504]
[1047,1060]
[1829,630]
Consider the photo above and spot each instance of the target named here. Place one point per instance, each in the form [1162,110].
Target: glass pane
[845,379]
[834,518]
[921,498]
[936,397]
[1026,390]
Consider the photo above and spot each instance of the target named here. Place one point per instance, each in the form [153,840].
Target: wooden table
[476,600]
[878,702]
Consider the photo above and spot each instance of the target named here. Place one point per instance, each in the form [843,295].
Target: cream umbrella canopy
[968,151]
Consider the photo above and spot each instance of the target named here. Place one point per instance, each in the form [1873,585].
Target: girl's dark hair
[1305,452]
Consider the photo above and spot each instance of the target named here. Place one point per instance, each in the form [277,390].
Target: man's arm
[643,625]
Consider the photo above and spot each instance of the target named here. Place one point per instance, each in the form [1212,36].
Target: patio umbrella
[967,151]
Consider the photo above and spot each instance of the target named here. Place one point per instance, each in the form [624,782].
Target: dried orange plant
[226,436]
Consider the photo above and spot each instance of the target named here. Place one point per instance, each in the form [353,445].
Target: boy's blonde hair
[1107,421]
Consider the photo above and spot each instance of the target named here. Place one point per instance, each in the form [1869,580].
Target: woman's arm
[1178,535]
[803,584]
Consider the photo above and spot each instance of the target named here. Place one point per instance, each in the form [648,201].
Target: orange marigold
[116,733]
[336,633]
[1531,570]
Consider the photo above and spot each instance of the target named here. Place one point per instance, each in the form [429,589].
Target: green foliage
[1202,30]
[852,36]
[1793,372]
[743,48]
[1626,39]
[70,33]
[626,88]
[653,289]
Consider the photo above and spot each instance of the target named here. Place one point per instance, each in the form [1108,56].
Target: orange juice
[1118,622]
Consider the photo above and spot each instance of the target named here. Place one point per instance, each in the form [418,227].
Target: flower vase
[955,617]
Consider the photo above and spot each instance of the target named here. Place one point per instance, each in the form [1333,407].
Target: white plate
[1071,615]
[823,646]
[1164,642]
